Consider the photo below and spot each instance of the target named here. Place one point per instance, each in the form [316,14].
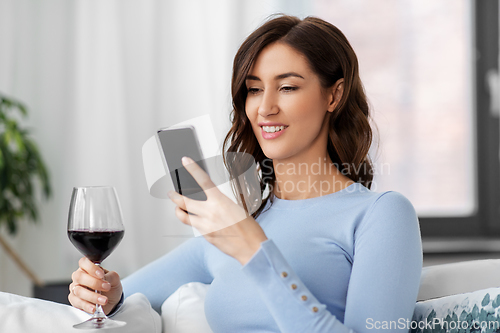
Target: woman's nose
[268,105]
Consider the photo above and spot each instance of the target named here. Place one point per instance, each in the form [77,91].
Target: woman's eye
[288,88]
[253,91]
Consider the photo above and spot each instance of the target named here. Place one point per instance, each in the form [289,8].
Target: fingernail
[106,285]
[91,309]
[186,160]
[101,300]
[99,274]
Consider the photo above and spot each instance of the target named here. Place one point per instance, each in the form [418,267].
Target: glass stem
[98,313]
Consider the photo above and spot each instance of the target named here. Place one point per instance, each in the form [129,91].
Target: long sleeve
[159,279]
[383,282]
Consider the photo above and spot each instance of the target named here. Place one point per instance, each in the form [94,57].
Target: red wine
[95,245]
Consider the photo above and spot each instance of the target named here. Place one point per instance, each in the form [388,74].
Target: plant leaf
[21,167]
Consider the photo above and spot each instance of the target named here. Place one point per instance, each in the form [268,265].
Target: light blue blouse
[343,262]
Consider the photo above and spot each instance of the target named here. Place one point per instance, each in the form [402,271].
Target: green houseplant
[22,173]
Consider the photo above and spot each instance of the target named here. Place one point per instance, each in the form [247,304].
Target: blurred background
[99,77]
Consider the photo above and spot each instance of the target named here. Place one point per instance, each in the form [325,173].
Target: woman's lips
[271,135]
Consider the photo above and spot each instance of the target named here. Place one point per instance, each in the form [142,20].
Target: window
[423,64]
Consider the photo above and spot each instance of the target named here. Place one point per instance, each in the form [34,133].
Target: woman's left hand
[222,222]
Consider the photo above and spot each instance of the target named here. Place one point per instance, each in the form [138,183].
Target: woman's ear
[335,94]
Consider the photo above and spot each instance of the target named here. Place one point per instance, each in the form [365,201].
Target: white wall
[99,77]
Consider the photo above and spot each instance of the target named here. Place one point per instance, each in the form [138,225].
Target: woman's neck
[308,179]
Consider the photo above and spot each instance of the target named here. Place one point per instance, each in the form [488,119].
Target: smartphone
[175,144]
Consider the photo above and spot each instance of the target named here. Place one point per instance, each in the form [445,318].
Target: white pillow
[184,310]
[23,314]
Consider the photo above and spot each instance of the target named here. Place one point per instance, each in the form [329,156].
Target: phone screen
[177,143]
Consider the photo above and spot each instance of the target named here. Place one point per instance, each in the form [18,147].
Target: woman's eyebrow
[285,75]
[277,77]
[252,78]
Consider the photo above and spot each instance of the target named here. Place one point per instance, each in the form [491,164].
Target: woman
[323,253]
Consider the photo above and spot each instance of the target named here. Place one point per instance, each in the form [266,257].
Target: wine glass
[95,228]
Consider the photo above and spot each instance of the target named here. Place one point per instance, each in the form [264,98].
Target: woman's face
[287,106]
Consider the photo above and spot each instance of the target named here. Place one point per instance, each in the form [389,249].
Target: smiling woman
[290,113]
[323,253]
[305,72]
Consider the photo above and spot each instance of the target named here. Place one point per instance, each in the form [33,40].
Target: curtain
[99,77]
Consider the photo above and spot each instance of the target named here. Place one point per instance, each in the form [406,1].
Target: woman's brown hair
[332,58]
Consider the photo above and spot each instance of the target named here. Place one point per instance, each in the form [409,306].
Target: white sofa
[458,278]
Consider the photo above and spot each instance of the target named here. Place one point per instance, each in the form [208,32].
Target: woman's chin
[274,155]
[281,152]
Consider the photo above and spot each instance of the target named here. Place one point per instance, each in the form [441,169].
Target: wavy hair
[331,57]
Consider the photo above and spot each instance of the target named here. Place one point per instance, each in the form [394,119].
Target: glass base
[99,323]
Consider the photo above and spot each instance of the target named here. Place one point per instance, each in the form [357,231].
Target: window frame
[485,221]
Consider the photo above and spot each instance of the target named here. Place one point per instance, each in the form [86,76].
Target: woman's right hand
[90,277]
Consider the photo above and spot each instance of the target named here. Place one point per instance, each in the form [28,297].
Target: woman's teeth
[272,129]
